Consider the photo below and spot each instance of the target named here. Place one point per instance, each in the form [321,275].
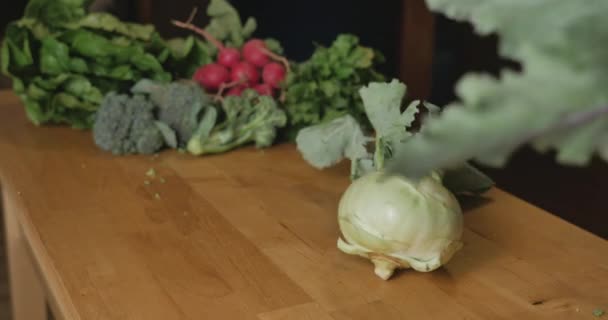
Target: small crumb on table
[598,312]
[151,173]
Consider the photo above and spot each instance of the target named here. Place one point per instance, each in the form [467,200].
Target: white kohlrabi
[394,221]
[400,223]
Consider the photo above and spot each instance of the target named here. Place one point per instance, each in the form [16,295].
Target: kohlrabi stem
[354,169]
[379,153]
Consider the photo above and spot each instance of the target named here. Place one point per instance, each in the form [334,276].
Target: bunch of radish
[235,71]
[253,66]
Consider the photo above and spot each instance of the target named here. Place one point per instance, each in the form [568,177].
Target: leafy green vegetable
[54,57]
[56,12]
[82,87]
[62,59]
[383,107]
[189,54]
[558,101]
[382,104]
[326,144]
[274,45]
[226,26]
[16,51]
[249,118]
[101,21]
[327,85]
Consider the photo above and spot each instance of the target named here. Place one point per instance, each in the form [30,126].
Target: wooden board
[252,235]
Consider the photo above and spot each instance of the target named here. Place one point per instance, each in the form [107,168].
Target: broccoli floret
[126,125]
[179,105]
[249,118]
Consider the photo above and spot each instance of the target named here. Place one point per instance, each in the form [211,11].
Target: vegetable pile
[87,69]
[63,60]
[180,115]
[226,89]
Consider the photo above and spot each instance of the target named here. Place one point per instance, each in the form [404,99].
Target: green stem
[354,169]
[379,153]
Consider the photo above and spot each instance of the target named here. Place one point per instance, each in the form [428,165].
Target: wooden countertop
[252,235]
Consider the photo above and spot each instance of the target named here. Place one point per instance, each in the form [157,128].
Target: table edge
[58,297]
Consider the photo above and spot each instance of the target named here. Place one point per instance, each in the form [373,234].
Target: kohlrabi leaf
[557,101]
[326,144]
[466,179]
[382,103]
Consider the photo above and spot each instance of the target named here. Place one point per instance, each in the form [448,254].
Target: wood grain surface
[252,235]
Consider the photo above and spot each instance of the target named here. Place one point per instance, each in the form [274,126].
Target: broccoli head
[249,118]
[126,125]
[179,104]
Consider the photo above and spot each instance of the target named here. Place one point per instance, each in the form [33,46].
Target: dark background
[574,194]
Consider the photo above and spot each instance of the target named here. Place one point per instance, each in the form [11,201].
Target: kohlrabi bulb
[400,223]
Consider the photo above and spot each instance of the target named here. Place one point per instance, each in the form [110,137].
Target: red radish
[273,74]
[211,76]
[263,89]
[229,57]
[254,51]
[245,71]
[253,44]
[236,91]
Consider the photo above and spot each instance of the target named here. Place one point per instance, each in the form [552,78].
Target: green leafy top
[326,86]
[56,12]
[107,22]
[558,101]
[326,144]
[226,25]
[57,47]
[382,104]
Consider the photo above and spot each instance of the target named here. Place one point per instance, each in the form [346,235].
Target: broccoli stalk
[249,118]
